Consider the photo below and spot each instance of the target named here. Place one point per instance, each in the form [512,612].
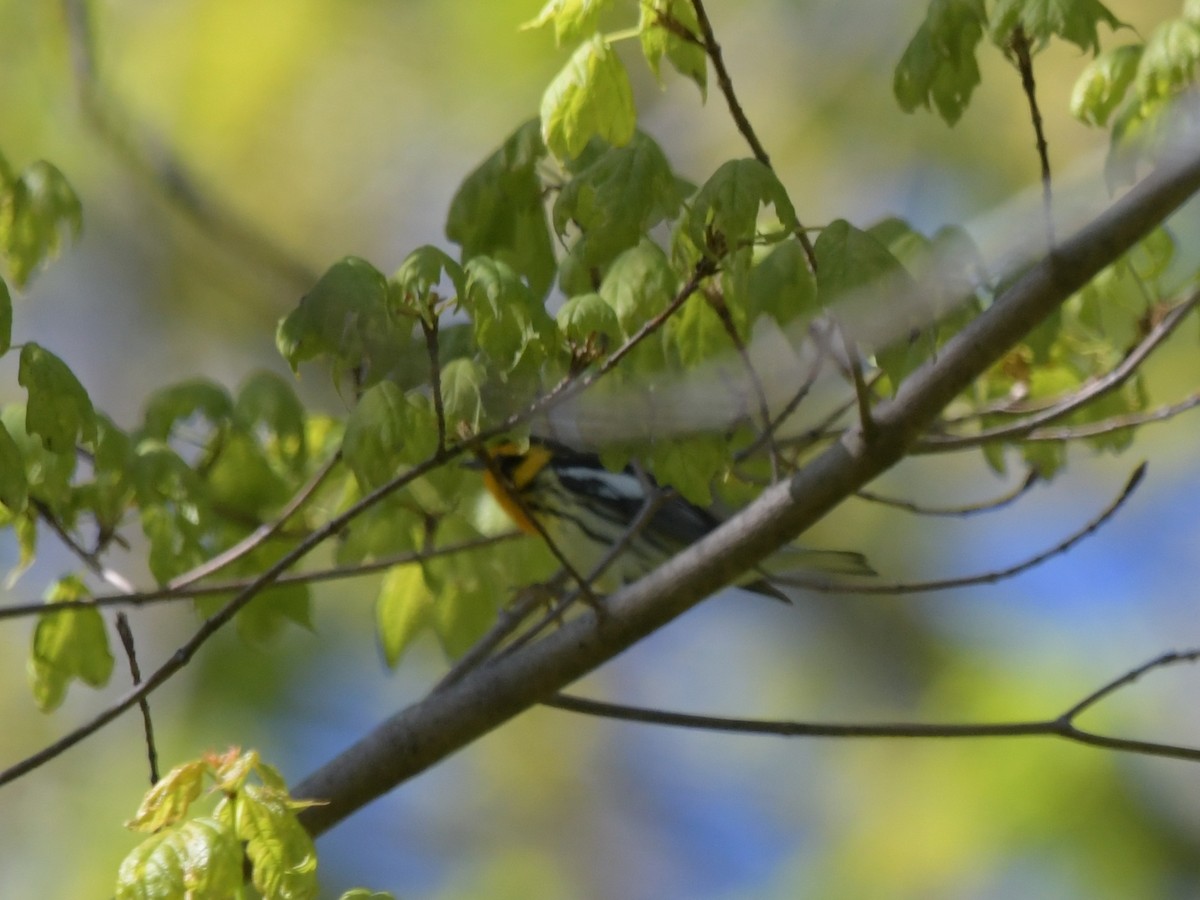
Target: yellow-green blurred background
[344,126]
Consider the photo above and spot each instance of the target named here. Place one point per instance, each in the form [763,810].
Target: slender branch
[1019,44]
[172,595]
[1062,726]
[1116,423]
[135,675]
[261,534]
[1090,528]
[713,50]
[970,509]
[419,736]
[1105,384]
[430,330]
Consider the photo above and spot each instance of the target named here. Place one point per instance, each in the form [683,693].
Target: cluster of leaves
[252,830]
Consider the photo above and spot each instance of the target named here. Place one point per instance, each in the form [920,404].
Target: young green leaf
[1168,64]
[498,210]
[265,400]
[403,610]
[169,799]
[182,402]
[938,68]
[639,285]
[724,214]
[198,858]
[613,203]
[414,284]
[386,429]
[37,209]
[590,97]
[1102,85]
[462,392]
[660,27]
[511,326]
[344,315]
[573,19]
[14,486]
[587,317]
[59,410]
[280,851]
[1075,21]
[780,285]
[68,645]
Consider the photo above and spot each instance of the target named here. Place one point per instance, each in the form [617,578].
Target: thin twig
[261,534]
[1116,423]
[430,330]
[713,50]
[985,578]
[1093,390]
[135,675]
[1062,726]
[174,595]
[1019,43]
[970,509]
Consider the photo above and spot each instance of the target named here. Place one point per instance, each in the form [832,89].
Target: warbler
[585,509]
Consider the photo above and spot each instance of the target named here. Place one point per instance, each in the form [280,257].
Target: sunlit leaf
[198,858]
[572,19]
[14,486]
[280,851]
[938,69]
[1168,63]
[657,29]
[59,410]
[1103,83]
[68,645]
[590,97]
[462,391]
[511,326]
[402,610]
[498,211]
[38,209]
[724,213]
[170,798]
[1075,21]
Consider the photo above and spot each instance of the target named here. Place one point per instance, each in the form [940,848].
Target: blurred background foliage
[344,126]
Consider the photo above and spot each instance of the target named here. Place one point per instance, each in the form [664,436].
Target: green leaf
[14,486]
[1102,85]
[198,858]
[415,282]
[182,402]
[68,645]
[1075,21]
[938,68]
[462,392]
[464,603]
[658,40]
[36,210]
[1168,64]
[850,259]
[781,285]
[590,97]
[691,467]
[586,318]
[696,333]
[365,894]
[266,615]
[385,430]
[173,520]
[342,316]
[724,214]
[59,409]
[108,494]
[48,474]
[499,211]
[639,285]
[573,19]
[511,326]
[402,610]
[6,318]
[241,480]
[280,851]
[613,203]
[170,798]
[267,400]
